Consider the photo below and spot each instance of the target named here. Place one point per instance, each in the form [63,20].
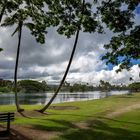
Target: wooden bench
[6,117]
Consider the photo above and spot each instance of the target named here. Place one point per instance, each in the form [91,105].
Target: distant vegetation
[26,86]
[103,86]
[32,86]
[5,86]
[135,87]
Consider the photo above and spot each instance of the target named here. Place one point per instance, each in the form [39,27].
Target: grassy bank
[89,119]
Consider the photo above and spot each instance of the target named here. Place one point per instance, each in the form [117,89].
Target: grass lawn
[89,120]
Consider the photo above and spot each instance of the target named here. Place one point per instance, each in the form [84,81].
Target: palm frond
[1,49]
[16,30]
[9,21]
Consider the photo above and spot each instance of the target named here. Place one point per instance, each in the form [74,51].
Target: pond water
[43,98]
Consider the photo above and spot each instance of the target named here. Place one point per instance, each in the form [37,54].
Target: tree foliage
[31,86]
[105,85]
[1,49]
[124,47]
[118,16]
[135,86]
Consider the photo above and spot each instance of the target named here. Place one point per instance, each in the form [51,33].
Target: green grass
[123,127]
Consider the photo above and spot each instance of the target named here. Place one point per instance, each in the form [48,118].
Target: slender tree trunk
[16,67]
[68,67]
[64,77]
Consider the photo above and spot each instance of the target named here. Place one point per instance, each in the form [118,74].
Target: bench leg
[8,124]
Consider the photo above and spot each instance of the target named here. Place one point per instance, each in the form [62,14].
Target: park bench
[6,117]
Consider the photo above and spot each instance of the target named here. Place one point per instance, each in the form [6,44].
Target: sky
[48,62]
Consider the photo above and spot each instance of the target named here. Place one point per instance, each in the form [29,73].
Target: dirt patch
[19,132]
[82,125]
[30,114]
[64,107]
[35,114]
[123,110]
[27,132]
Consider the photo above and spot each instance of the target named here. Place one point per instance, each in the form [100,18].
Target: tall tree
[38,30]
[125,44]
[19,17]
[20,25]
[68,28]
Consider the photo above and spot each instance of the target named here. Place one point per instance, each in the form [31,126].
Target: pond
[43,98]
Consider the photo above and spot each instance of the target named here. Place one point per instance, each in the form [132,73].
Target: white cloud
[106,75]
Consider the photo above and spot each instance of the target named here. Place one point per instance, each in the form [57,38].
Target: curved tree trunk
[68,67]
[16,67]
[64,77]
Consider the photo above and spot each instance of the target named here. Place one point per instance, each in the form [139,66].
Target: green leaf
[1,49]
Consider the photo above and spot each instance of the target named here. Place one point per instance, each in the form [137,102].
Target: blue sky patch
[137,11]
[134,62]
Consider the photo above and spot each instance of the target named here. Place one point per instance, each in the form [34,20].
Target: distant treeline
[103,86]
[32,86]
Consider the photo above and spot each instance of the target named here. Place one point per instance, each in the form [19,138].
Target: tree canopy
[135,86]
[124,47]
[118,16]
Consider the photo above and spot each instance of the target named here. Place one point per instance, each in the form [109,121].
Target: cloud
[49,61]
[111,76]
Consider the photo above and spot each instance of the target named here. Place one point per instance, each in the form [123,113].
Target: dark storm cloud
[56,50]
[56,78]
[6,74]
[6,64]
[30,74]
[50,60]
[53,52]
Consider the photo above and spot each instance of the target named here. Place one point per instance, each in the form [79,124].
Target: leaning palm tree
[19,22]
[69,63]
[37,27]
[10,6]
[64,77]
[19,30]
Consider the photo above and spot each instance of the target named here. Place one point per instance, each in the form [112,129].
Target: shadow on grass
[125,96]
[99,130]
[115,120]
[58,125]
[95,130]
[71,114]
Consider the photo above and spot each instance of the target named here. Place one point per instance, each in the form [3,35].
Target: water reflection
[32,98]
[43,98]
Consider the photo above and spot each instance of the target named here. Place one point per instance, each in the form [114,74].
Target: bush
[30,86]
[135,86]
[4,89]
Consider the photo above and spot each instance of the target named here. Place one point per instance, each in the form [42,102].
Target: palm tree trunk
[68,67]
[16,67]
[64,77]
